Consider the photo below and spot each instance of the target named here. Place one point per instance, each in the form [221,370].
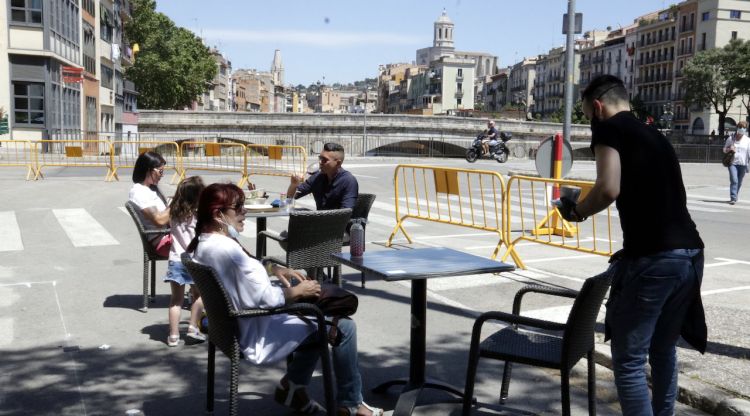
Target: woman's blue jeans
[736,173]
[648,302]
[345,364]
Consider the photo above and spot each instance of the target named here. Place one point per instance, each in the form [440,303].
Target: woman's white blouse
[741,150]
[264,339]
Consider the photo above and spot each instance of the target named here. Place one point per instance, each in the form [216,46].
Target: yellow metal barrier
[527,205]
[126,153]
[73,153]
[465,197]
[18,153]
[216,157]
[276,160]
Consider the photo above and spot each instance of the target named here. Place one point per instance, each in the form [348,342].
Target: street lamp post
[364,129]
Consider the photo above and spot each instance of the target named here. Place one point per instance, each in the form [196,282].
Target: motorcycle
[498,150]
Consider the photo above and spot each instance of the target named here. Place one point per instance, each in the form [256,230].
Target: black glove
[567,209]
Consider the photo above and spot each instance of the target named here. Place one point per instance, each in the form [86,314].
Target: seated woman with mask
[220,219]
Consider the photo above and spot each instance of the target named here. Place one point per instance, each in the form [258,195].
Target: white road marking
[718,291]
[6,328]
[693,207]
[733,260]
[365,176]
[580,256]
[82,229]
[11,235]
[125,210]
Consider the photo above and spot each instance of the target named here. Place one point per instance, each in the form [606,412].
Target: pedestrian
[272,338]
[656,277]
[738,143]
[182,209]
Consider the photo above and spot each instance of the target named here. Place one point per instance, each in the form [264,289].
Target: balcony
[685,51]
[687,28]
[459,78]
[459,94]
[598,59]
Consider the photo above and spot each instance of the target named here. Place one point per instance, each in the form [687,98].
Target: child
[182,224]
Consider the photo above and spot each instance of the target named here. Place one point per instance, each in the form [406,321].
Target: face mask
[233,233]
[741,132]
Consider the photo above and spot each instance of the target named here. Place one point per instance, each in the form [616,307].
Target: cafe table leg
[260,243]
[417,355]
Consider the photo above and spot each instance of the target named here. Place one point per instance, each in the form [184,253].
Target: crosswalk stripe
[11,234]
[693,207]
[82,229]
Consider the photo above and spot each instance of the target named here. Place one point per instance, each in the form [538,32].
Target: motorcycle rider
[489,136]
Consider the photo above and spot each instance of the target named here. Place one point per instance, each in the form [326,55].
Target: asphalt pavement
[74,342]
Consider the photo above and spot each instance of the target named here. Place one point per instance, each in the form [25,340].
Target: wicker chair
[361,210]
[513,345]
[149,252]
[311,238]
[223,333]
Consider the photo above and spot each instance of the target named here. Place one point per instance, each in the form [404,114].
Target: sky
[344,41]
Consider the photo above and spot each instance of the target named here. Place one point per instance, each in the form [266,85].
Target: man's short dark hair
[607,88]
[334,147]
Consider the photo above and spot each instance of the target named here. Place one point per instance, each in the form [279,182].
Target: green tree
[173,66]
[713,79]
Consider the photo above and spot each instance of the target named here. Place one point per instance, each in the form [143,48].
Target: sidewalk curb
[692,392]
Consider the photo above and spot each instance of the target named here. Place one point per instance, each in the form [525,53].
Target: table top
[421,263]
[271,212]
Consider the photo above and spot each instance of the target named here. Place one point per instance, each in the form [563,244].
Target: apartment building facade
[521,80]
[44,38]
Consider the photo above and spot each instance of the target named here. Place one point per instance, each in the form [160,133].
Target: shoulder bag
[728,158]
[335,302]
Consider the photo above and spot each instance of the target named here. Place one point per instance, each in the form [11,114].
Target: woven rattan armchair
[223,333]
[149,252]
[512,344]
[361,210]
[311,238]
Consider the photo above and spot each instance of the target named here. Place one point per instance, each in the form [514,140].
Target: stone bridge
[373,134]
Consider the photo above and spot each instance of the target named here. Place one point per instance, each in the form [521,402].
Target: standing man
[656,277]
[738,143]
[332,186]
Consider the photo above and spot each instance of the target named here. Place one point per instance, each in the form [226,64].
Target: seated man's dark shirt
[341,192]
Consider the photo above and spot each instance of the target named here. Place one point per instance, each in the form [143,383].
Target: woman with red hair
[220,219]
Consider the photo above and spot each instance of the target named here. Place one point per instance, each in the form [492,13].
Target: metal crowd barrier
[73,153]
[126,152]
[464,197]
[529,216]
[216,157]
[272,160]
[18,153]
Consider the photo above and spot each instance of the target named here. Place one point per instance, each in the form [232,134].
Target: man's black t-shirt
[652,201]
[341,192]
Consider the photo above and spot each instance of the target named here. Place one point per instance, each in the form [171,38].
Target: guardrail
[215,157]
[273,160]
[125,153]
[463,197]
[529,216]
[18,153]
[73,153]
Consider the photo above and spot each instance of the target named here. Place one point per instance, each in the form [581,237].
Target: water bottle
[282,201]
[357,239]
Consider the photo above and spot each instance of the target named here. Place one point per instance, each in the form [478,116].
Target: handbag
[337,303]
[728,158]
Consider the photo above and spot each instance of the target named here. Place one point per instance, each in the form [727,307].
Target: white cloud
[310,38]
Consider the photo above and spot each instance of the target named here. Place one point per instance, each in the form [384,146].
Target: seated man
[332,186]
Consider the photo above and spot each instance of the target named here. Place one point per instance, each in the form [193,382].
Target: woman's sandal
[173,340]
[295,397]
[352,411]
